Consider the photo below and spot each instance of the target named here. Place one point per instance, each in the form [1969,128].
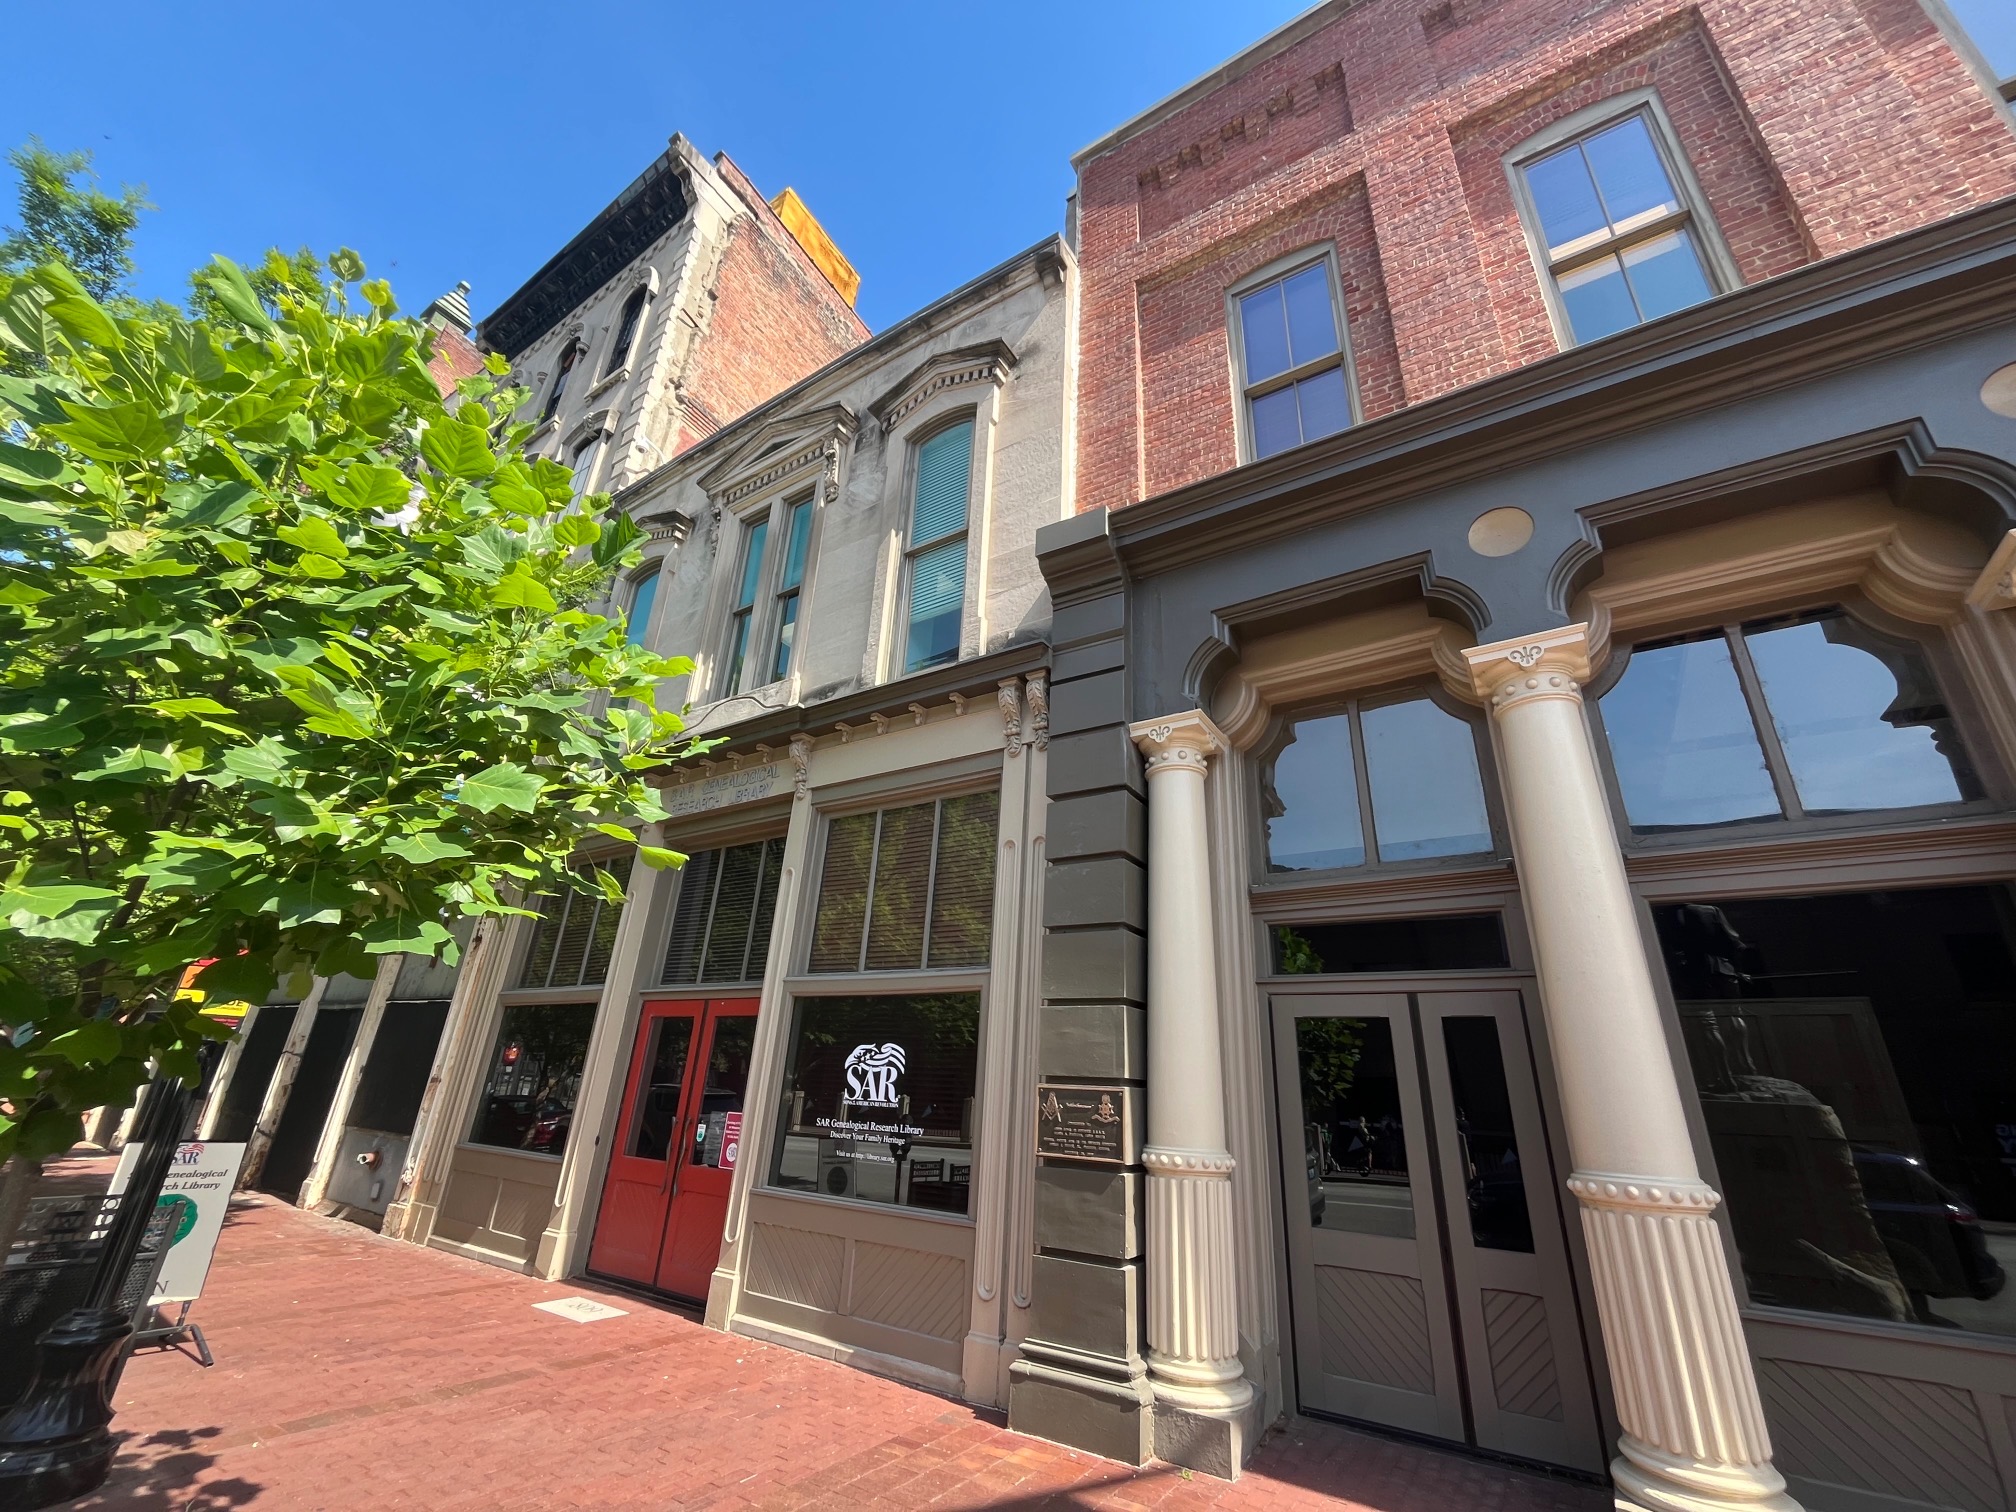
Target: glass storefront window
[1354,1127]
[534,1077]
[1852,1054]
[1455,942]
[1422,794]
[877,1102]
[1808,715]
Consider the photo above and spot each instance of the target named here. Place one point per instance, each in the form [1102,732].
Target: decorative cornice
[1644,1194]
[811,437]
[1180,741]
[1550,664]
[989,363]
[779,471]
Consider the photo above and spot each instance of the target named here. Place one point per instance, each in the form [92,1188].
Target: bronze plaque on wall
[1086,1123]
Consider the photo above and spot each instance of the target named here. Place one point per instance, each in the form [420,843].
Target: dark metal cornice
[1876,302]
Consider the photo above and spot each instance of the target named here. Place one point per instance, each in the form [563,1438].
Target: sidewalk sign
[199,1183]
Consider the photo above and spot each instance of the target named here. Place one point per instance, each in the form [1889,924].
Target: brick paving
[352,1371]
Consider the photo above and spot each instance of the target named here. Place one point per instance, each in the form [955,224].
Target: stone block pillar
[1694,1437]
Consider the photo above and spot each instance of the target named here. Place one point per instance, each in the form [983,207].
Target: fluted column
[1694,1436]
[1193,1306]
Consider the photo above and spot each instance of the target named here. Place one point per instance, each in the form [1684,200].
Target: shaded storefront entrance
[666,1196]
[1428,1268]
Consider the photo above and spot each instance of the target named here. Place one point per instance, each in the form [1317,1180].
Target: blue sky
[932,139]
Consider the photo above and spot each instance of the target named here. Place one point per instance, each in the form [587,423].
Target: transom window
[1808,715]
[1622,242]
[727,904]
[572,942]
[742,619]
[935,564]
[905,889]
[1384,782]
[1292,360]
[626,330]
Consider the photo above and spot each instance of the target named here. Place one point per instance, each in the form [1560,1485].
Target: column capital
[1546,664]
[1188,740]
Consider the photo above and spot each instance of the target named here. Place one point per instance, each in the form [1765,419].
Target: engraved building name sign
[1085,1123]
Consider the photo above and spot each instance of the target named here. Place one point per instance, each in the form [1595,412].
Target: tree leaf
[26,468]
[407,933]
[92,1040]
[658,858]
[518,589]
[458,450]
[314,533]
[227,281]
[577,530]
[425,847]
[505,785]
[62,911]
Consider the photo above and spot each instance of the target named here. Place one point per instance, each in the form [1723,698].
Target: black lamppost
[56,1442]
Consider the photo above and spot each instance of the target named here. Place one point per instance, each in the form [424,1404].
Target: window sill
[620,376]
[483,1149]
[863,1205]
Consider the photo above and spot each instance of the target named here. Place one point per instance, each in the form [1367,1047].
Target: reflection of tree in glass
[843,893]
[962,899]
[902,885]
[1293,954]
[939,1035]
[1328,1050]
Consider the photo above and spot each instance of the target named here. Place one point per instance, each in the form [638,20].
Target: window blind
[909,888]
[573,941]
[944,465]
[721,928]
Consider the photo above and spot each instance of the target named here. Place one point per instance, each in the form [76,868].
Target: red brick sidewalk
[355,1372]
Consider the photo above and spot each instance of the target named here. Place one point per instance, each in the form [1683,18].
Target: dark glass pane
[1629,173]
[902,887]
[1310,799]
[1564,196]
[656,1116]
[727,1082]
[1666,274]
[766,909]
[962,896]
[738,651]
[577,928]
[1263,325]
[400,1062]
[937,605]
[601,945]
[1852,1054]
[626,332]
[1277,425]
[800,532]
[734,905]
[539,955]
[643,596]
[1861,717]
[1460,942]
[1427,796]
[528,1094]
[1312,320]
[1486,1146]
[878,1100]
[752,563]
[1596,299]
[843,893]
[1326,406]
[689,922]
[787,630]
[1353,1131]
[1685,750]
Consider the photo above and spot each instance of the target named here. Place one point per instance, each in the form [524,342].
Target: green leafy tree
[65,217]
[272,695]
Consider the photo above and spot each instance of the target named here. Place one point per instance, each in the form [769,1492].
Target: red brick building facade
[1381,128]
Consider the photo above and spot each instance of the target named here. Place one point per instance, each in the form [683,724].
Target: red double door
[666,1197]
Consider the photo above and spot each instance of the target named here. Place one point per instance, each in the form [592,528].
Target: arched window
[1806,715]
[936,559]
[567,361]
[643,597]
[626,330]
[1385,782]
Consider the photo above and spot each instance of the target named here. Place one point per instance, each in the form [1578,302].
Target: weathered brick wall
[454,357]
[1813,127]
[773,317]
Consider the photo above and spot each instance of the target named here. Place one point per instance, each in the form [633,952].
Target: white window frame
[773,511]
[1694,215]
[1244,390]
[915,442]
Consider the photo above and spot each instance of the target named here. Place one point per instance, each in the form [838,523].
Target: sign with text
[1085,1123]
[726,789]
[731,1141]
[198,1189]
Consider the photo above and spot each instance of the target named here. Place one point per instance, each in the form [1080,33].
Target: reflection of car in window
[549,1132]
[1934,1238]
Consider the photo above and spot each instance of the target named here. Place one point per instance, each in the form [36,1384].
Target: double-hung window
[583,464]
[1619,240]
[1991,26]
[935,562]
[643,598]
[1292,359]
[791,583]
[626,331]
[553,395]
[742,618]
